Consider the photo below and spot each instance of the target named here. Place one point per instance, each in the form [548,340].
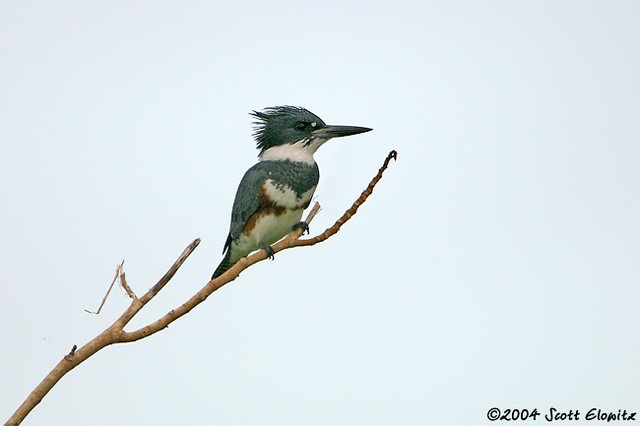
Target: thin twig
[393,155]
[104,299]
[172,271]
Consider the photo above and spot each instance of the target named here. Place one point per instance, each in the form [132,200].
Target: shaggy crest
[282,125]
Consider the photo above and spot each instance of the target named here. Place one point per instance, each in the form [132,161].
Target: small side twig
[104,299]
[71,353]
[123,282]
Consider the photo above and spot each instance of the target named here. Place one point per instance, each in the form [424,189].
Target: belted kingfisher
[274,192]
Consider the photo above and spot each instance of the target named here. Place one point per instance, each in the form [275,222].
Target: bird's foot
[270,252]
[304,225]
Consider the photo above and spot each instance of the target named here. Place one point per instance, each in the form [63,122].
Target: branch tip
[393,154]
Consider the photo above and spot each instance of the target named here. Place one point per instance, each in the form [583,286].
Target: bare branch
[116,334]
[289,242]
[139,303]
[209,288]
[107,337]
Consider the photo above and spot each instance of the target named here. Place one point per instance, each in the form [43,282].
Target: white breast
[268,230]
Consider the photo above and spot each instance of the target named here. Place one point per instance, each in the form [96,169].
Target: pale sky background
[496,264]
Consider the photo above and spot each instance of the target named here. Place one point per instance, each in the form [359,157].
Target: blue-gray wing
[247,200]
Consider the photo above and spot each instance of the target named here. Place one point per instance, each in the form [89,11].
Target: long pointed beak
[329,132]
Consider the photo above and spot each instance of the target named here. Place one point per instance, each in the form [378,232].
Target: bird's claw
[304,225]
[270,252]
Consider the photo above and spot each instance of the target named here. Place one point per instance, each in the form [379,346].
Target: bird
[274,192]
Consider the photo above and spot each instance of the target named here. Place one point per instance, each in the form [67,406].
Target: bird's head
[288,125]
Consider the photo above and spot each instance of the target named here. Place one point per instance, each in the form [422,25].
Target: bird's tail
[224,265]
